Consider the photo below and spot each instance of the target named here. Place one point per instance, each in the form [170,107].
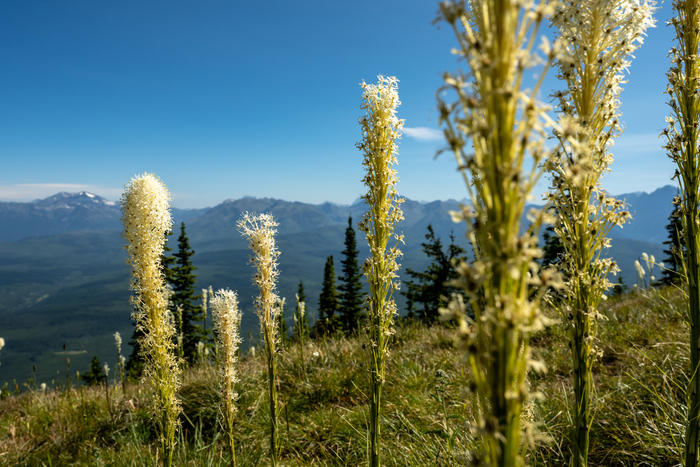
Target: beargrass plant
[600,38]
[145,209]
[300,327]
[496,128]
[227,325]
[120,361]
[682,147]
[260,231]
[380,130]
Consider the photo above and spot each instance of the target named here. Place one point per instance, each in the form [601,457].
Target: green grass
[638,402]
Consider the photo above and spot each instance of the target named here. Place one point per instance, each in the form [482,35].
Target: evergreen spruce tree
[134,365]
[95,375]
[328,303]
[351,298]
[553,247]
[671,273]
[620,288]
[429,287]
[183,282]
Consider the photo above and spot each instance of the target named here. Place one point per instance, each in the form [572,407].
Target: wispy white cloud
[641,142]
[422,133]
[32,191]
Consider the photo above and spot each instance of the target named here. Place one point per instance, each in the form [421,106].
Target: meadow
[489,383]
[638,403]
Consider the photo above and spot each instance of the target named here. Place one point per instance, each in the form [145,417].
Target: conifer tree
[328,303]
[95,375]
[671,273]
[553,247]
[431,286]
[351,297]
[183,282]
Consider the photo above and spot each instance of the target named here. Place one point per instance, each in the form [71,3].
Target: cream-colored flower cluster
[600,38]
[145,208]
[497,131]
[260,231]
[380,130]
[227,323]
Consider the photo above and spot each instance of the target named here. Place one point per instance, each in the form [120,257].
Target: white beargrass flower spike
[260,231]
[682,136]
[380,131]
[497,130]
[600,38]
[146,219]
[227,325]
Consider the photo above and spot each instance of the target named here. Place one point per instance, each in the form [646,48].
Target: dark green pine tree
[328,303]
[183,283]
[95,375]
[429,288]
[134,365]
[553,247]
[351,296]
[672,273]
[305,325]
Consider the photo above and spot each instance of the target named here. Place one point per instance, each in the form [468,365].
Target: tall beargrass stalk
[120,361]
[682,148]
[145,208]
[600,38]
[300,327]
[380,130]
[227,325]
[496,129]
[260,231]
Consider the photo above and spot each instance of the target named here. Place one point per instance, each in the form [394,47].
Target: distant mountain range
[73,212]
[63,281]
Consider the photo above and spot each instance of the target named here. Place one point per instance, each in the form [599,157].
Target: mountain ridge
[68,212]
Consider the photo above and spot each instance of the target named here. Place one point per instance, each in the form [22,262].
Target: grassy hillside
[639,403]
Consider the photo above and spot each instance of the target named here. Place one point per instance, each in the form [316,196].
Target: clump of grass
[600,37]
[380,130]
[495,128]
[227,325]
[260,231]
[145,207]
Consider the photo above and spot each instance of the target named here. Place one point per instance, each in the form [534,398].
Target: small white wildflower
[43,387]
[251,351]
[106,369]
[316,354]
[2,343]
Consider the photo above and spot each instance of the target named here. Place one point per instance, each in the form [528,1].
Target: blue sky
[224,99]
